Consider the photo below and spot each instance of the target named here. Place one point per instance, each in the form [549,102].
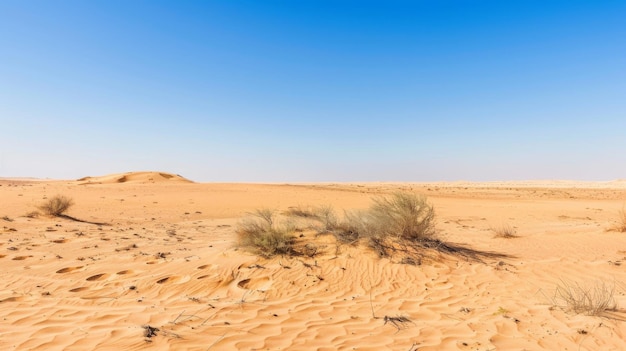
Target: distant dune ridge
[135,177]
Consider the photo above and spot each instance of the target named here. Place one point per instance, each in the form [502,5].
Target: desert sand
[154,250]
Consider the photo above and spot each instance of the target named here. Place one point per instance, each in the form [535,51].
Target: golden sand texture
[164,256]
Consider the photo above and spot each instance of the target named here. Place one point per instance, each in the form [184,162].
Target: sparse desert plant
[506,231]
[621,221]
[32,214]
[7,218]
[264,236]
[301,211]
[591,299]
[401,216]
[56,206]
[350,229]
[326,215]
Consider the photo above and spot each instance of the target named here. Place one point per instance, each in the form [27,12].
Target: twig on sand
[399,322]
[216,341]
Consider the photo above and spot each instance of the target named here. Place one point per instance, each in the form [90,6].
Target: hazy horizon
[314,91]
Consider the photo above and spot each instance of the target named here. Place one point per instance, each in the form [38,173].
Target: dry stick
[371,304]
[174,322]
[216,341]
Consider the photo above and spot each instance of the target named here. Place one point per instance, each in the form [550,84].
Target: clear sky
[286,91]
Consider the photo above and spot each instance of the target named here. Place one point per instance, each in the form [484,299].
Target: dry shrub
[621,221]
[300,211]
[56,206]
[506,231]
[400,218]
[261,234]
[590,299]
[403,216]
[325,215]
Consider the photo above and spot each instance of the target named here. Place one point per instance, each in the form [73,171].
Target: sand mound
[135,177]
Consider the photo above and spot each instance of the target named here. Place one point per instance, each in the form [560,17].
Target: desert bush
[621,221]
[326,215]
[300,211]
[56,205]
[350,229]
[403,216]
[264,236]
[506,231]
[591,299]
[400,218]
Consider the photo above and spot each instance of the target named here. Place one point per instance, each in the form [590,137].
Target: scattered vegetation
[505,231]
[590,299]
[401,222]
[263,235]
[7,218]
[56,206]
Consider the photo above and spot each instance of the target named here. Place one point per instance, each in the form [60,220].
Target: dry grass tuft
[264,236]
[621,221]
[56,206]
[301,211]
[402,222]
[590,299]
[506,231]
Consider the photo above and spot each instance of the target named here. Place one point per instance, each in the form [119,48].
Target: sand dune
[167,259]
[134,177]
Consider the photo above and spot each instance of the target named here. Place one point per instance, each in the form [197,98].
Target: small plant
[506,231]
[56,206]
[32,214]
[7,218]
[590,299]
[265,237]
[301,211]
[326,215]
[621,221]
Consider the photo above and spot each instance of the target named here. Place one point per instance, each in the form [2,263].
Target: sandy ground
[166,257]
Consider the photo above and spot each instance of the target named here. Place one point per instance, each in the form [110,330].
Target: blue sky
[285,91]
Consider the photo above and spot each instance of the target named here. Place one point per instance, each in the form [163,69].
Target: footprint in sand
[68,269]
[244,283]
[20,258]
[97,277]
[12,299]
[126,271]
[172,279]
[255,283]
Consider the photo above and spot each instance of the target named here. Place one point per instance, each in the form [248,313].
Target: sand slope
[134,177]
[167,259]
